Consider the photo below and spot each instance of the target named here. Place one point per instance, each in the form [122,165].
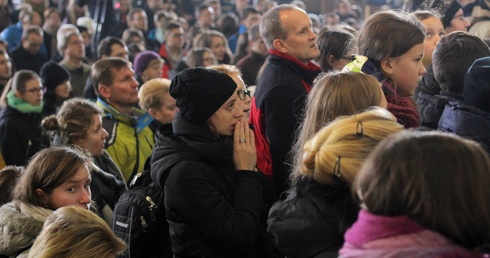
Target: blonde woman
[336,94]
[76,232]
[321,197]
[156,100]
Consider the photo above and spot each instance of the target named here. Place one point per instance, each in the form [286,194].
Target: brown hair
[73,120]
[336,94]
[48,169]
[104,70]
[389,34]
[438,179]
[8,178]
[17,84]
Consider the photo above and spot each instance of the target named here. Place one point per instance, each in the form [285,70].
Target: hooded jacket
[20,224]
[212,209]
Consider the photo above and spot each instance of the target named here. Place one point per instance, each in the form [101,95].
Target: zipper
[152,207]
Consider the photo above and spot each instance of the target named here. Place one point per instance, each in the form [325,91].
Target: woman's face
[74,192]
[223,121]
[458,23]
[166,113]
[32,93]
[152,71]
[434,31]
[94,140]
[219,48]
[63,90]
[208,59]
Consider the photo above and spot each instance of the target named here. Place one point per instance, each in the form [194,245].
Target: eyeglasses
[349,58]
[242,94]
[35,90]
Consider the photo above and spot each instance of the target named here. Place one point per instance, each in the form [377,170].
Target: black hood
[183,140]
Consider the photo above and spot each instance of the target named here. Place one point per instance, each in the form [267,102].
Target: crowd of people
[271,131]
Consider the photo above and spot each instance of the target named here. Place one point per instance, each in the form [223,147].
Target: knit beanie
[477,84]
[52,74]
[200,92]
[142,60]
[445,8]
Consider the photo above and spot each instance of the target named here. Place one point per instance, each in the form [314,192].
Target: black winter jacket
[312,220]
[212,209]
[20,135]
[466,121]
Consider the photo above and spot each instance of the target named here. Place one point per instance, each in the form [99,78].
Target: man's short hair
[452,57]
[32,29]
[105,46]
[271,27]
[104,70]
[201,8]
[247,11]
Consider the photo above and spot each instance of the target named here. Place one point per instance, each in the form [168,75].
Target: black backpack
[139,219]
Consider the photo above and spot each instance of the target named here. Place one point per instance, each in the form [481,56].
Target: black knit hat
[445,8]
[200,92]
[52,74]
[477,84]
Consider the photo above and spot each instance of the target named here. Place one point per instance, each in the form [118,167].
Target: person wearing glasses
[337,48]
[20,118]
[205,162]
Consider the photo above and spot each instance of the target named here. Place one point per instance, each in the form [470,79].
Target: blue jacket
[466,121]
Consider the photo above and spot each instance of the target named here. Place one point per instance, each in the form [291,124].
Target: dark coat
[20,135]
[277,111]
[312,220]
[466,121]
[212,209]
[431,110]
[28,61]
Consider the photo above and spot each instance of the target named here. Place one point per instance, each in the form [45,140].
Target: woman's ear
[386,66]
[42,195]
[153,112]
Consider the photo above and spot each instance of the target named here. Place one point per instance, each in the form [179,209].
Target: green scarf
[21,105]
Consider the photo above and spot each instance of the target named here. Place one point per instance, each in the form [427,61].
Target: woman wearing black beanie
[205,163]
[56,81]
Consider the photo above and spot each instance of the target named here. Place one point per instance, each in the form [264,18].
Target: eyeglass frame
[242,96]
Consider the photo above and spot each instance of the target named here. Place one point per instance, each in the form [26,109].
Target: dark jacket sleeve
[283,110]
[192,195]
[14,145]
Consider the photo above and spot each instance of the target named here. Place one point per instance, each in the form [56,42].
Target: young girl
[54,178]
[20,118]
[434,31]
[392,47]
[432,202]
[336,94]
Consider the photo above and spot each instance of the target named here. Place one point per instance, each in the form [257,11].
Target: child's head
[434,31]
[440,180]
[394,42]
[337,47]
[336,94]
[76,232]
[338,150]
[453,56]
[477,84]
